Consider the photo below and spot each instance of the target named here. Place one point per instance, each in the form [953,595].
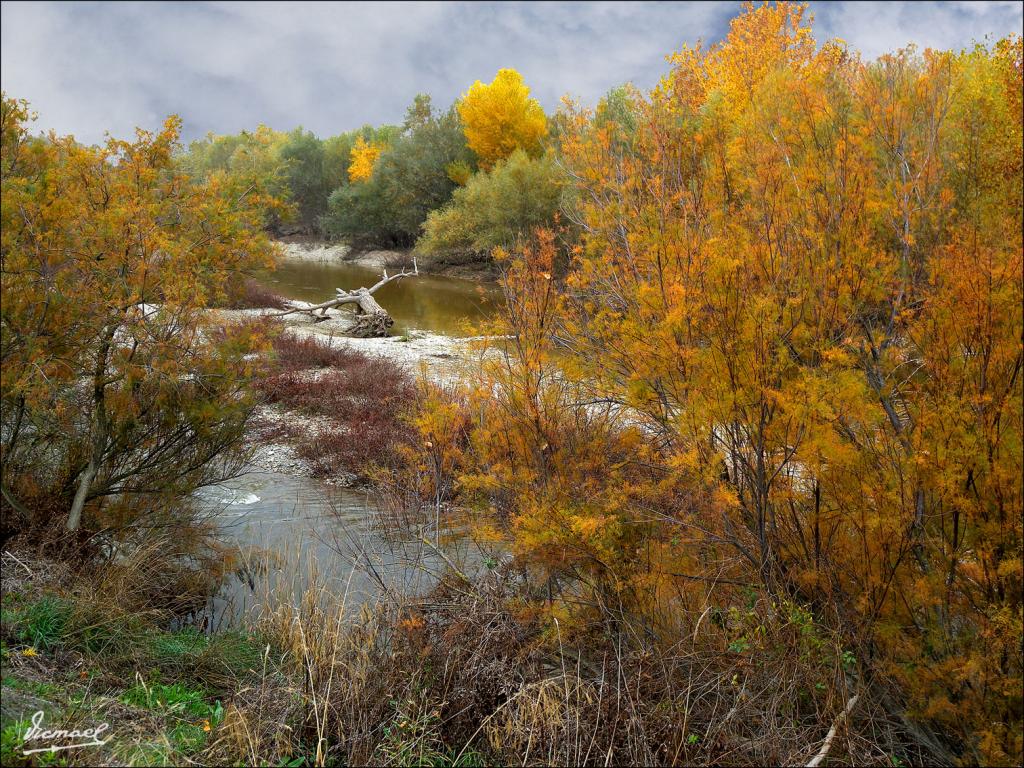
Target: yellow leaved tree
[500,117]
[364,156]
[119,392]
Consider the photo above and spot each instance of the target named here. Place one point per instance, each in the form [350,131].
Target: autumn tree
[799,275]
[118,393]
[364,155]
[573,480]
[500,117]
[244,160]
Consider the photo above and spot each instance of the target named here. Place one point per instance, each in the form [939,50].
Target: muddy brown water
[433,303]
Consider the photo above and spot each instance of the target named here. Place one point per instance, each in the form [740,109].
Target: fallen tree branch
[447,560]
[827,745]
[372,318]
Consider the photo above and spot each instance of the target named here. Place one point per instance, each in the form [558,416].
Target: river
[295,531]
[433,303]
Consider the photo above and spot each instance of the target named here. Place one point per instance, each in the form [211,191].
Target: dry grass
[385,684]
[478,672]
[111,639]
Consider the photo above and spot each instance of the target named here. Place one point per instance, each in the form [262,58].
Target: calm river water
[426,302]
[295,532]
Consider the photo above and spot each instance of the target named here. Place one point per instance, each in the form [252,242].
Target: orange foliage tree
[362,159]
[118,394]
[797,294]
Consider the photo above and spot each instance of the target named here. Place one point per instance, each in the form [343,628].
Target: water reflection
[426,302]
[295,532]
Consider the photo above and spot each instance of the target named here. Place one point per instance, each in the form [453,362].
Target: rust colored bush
[249,294]
[351,405]
[296,353]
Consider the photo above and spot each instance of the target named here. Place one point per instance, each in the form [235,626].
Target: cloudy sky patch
[330,67]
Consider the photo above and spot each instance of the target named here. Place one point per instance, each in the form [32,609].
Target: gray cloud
[92,67]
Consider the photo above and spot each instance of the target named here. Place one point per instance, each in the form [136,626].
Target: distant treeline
[466,179]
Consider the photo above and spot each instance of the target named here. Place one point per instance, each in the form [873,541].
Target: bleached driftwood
[372,319]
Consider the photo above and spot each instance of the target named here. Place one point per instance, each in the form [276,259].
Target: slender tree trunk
[12,441]
[100,430]
[84,484]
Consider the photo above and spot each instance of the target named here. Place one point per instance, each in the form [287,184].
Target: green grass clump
[44,623]
[183,646]
[30,686]
[189,653]
[174,698]
[54,621]
[236,653]
[12,743]
[109,635]
[190,713]
[188,738]
[412,737]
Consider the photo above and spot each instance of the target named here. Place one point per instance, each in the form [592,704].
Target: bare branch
[830,737]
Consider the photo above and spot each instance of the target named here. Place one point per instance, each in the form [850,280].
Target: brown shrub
[297,353]
[249,294]
[355,404]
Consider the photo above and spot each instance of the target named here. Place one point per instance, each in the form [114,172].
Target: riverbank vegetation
[745,444]
[349,406]
[483,181]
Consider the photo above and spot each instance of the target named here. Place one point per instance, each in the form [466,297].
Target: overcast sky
[330,67]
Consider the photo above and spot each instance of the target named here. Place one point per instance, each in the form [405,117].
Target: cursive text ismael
[61,739]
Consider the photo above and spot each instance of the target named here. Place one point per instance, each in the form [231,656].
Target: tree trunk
[100,429]
[84,483]
[372,320]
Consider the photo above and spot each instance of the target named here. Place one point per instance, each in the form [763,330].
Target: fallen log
[372,320]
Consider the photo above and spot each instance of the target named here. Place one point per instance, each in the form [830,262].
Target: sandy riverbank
[465,267]
[442,359]
[336,253]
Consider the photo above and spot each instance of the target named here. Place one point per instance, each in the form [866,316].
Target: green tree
[496,207]
[409,180]
[250,160]
[337,156]
[359,214]
[302,155]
